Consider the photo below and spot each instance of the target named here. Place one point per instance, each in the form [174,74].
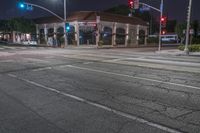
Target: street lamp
[22,5]
[186,50]
[65,19]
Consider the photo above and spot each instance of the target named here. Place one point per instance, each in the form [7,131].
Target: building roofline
[91,15]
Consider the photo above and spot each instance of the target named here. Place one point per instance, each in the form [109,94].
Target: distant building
[94,28]
[15,37]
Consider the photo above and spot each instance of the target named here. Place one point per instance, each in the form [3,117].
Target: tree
[121,10]
[124,10]
[17,24]
[146,15]
[171,25]
[22,25]
[195,26]
[4,26]
[179,29]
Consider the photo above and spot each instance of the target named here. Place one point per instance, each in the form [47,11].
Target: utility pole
[65,19]
[161,15]
[186,50]
[160,32]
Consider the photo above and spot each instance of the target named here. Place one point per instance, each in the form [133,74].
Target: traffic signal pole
[161,15]
[64,19]
[160,32]
[43,8]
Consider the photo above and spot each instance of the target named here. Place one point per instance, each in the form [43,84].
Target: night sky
[175,9]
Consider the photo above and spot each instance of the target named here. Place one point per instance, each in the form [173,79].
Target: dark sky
[175,9]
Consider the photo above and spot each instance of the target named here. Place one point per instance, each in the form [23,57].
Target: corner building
[94,28]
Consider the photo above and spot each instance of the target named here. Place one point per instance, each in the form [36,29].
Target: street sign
[29,8]
[145,8]
[136,4]
[191,31]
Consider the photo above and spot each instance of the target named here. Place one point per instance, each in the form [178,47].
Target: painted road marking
[119,74]
[87,63]
[135,77]
[165,61]
[98,105]
[42,69]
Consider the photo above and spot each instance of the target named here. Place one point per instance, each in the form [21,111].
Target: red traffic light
[131,3]
[164,32]
[163,21]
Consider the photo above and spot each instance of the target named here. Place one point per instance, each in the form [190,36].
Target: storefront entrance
[87,35]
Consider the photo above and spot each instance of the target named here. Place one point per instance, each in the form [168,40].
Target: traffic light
[21,5]
[163,32]
[67,27]
[24,6]
[131,4]
[163,21]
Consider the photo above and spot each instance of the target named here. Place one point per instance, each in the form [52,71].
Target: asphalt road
[79,90]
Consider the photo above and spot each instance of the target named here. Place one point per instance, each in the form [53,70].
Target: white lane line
[87,63]
[35,60]
[120,113]
[41,69]
[6,61]
[135,77]
[166,62]
[7,47]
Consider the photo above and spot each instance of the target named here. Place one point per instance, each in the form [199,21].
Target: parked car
[30,42]
[171,38]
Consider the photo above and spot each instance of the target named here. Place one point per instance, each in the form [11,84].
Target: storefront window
[71,36]
[87,35]
[141,37]
[106,36]
[120,36]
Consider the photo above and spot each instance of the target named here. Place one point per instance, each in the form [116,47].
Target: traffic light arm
[161,15]
[43,8]
[150,6]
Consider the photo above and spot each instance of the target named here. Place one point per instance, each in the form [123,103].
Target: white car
[29,42]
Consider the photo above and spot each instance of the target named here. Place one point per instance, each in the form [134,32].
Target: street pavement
[88,90]
[15,48]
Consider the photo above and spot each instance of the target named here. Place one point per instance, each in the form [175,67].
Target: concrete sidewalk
[177,52]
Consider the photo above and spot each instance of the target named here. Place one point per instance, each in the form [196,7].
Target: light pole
[186,50]
[65,19]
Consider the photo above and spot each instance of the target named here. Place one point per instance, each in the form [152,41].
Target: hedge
[152,40]
[192,48]
[196,40]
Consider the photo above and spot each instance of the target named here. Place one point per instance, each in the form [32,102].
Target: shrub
[100,43]
[62,40]
[153,40]
[196,40]
[192,48]
[181,47]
